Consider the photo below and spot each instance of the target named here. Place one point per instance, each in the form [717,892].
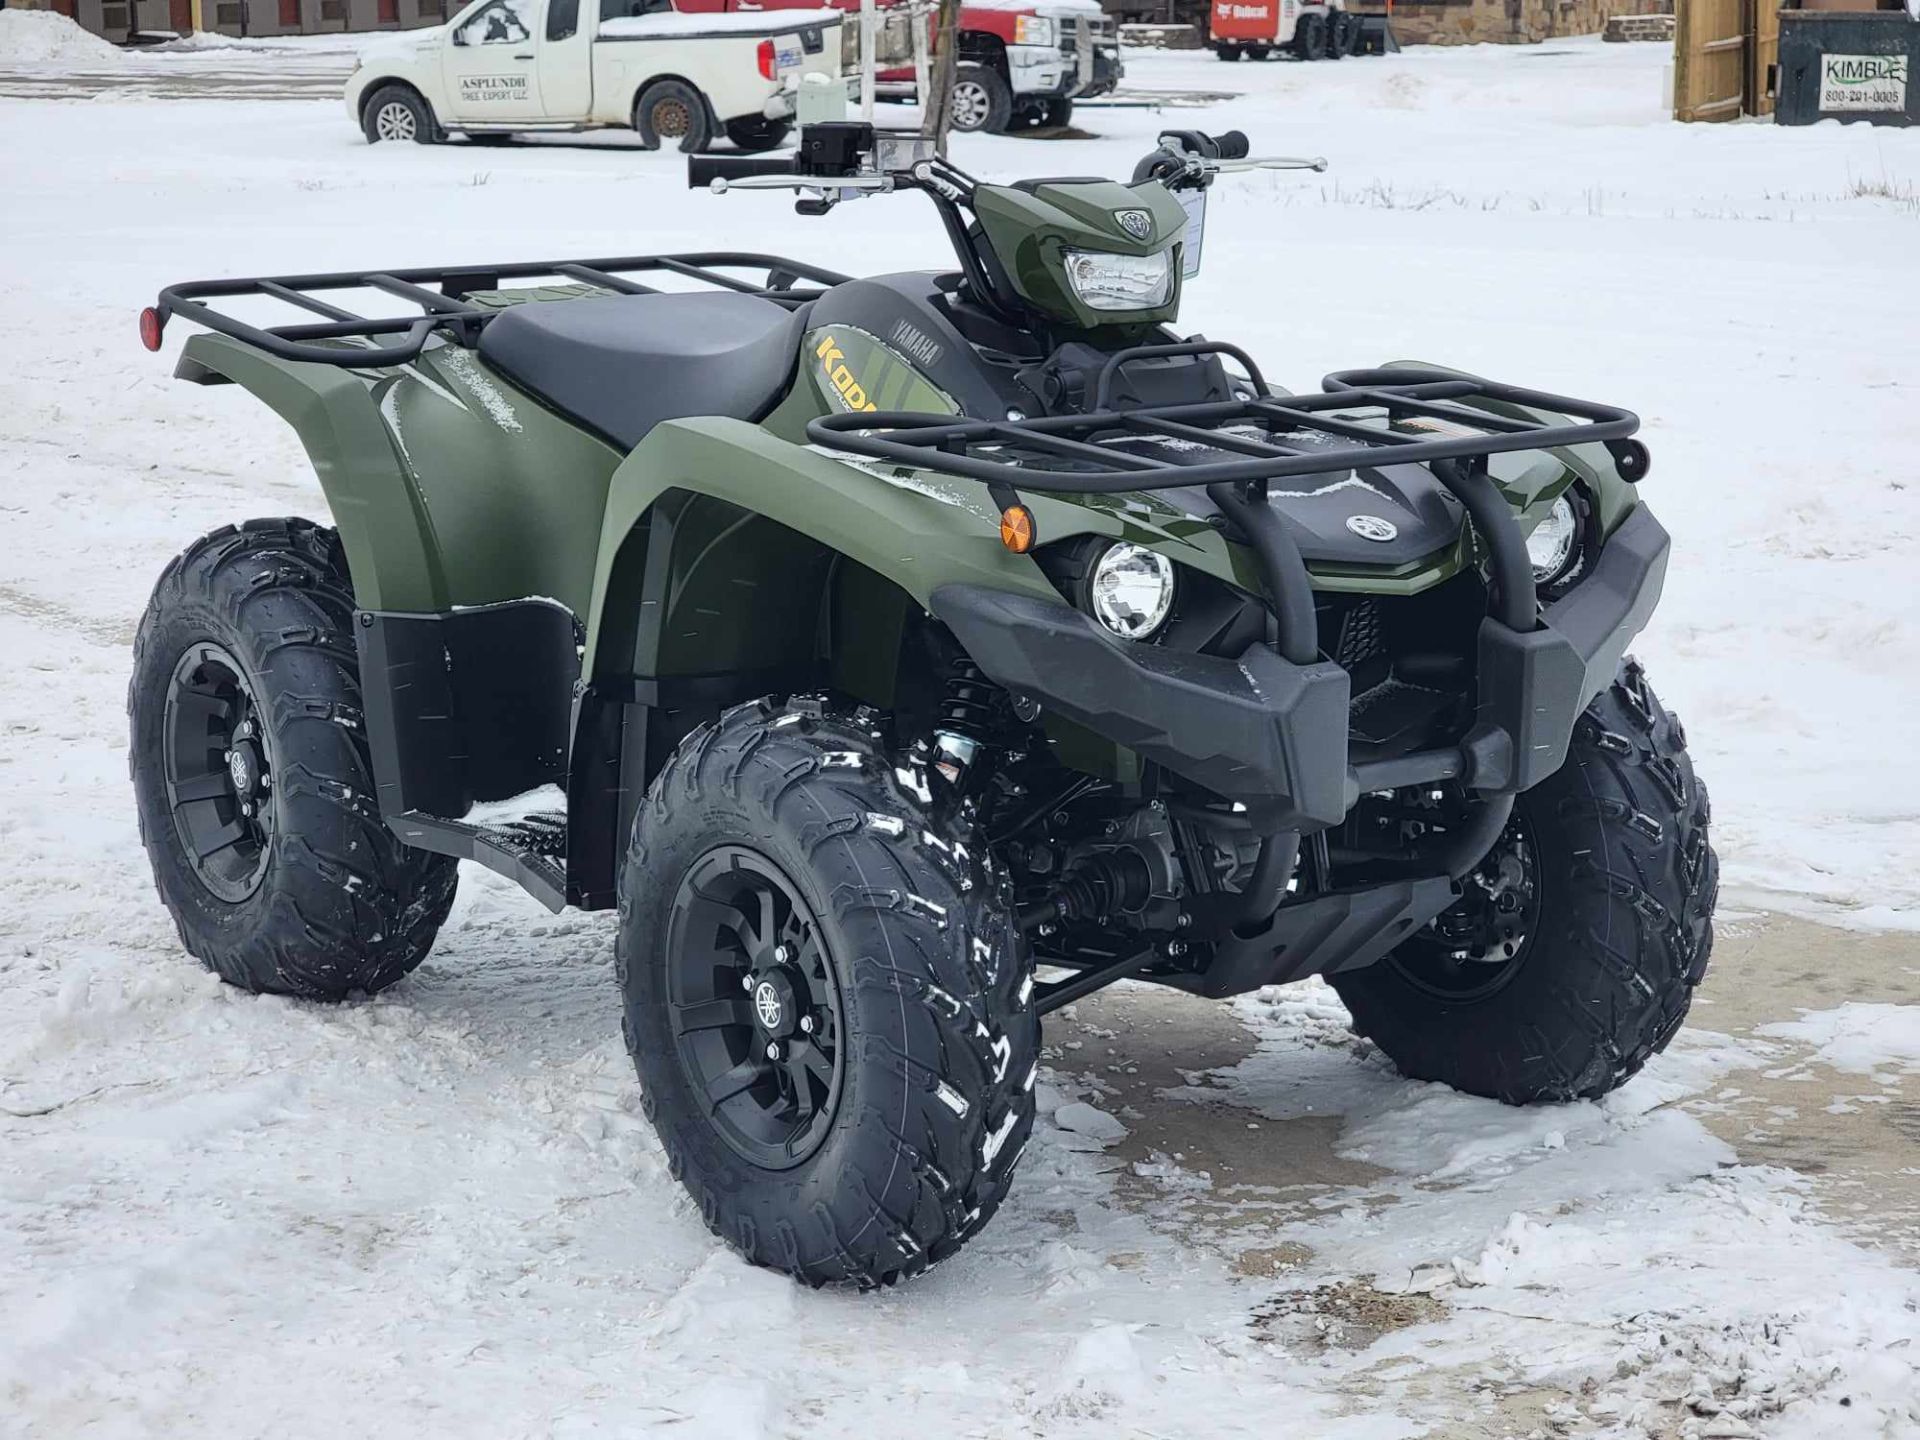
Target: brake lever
[870,184]
[1270,162]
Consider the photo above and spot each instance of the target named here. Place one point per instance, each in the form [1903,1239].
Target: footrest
[530,850]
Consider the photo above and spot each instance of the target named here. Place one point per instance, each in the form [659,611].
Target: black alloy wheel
[1479,944]
[219,774]
[755,1008]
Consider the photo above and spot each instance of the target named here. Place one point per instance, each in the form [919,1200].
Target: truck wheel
[1346,34]
[1058,114]
[755,134]
[981,100]
[1310,40]
[826,999]
[1228,53]
[252,776]
[1572,956]
[1259,52]
[396,112]
[672,111]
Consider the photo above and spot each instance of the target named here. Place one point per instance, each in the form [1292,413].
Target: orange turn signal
[1016,529]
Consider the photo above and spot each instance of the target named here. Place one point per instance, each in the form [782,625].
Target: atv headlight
[1131,591]
[1120,282]
[1554,545]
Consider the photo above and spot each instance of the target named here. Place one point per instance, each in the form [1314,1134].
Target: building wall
[116,19]
[1473,22]
[1439,22]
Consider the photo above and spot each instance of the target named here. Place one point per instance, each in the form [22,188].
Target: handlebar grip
[703,170]
[1233,145]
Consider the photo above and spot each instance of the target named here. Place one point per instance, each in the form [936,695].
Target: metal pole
[917,17]
[866,60]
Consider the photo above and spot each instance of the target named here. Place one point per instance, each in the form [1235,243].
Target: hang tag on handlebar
[1194,202]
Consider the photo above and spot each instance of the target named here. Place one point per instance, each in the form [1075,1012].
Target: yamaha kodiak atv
[907,657]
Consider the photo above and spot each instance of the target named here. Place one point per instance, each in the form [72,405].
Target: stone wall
[1473,22]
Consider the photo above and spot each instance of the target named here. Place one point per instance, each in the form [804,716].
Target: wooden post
[936,106]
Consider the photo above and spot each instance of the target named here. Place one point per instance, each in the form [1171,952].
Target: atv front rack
[345,337]
[1081,454]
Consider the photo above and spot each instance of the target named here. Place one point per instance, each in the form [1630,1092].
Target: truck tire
[673,111]
[1573,954]
[753,134]
[1259,52]
[1058,113]
[1310,39]
[1346,34]
[826,999]
[398,113]
[252,777]
[1227,52]
[981,100]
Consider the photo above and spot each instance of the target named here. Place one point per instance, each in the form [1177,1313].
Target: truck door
[492,65]
[566,60]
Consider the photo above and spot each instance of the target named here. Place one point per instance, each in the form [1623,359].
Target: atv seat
[620,364]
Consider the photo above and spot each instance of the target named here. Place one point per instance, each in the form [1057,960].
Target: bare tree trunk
[936,106]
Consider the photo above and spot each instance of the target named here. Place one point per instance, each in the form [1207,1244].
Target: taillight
[150,327]
[765,53]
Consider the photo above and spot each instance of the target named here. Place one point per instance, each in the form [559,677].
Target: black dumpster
[1848,65]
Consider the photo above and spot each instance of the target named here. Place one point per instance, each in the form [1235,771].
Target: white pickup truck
[499,67]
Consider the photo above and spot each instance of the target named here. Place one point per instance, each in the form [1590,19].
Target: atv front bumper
[1273,735]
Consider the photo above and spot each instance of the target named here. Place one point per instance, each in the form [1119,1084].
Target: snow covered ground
[439,1213]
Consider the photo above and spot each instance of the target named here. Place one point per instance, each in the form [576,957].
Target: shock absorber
[967,719]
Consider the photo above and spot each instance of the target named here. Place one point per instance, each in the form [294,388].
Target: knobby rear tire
[341,906]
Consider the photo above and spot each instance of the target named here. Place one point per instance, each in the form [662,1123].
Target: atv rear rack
[447,310]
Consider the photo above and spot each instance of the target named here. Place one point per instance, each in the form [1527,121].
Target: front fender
[918,530]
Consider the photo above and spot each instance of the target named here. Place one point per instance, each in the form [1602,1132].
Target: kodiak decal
[856,371]
[843,386]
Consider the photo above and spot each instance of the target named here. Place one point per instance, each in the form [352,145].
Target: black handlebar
[703,170]
[1167,162]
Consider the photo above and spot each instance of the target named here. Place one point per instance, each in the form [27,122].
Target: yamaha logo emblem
[766,1005]
[1137,223]
[1372,527]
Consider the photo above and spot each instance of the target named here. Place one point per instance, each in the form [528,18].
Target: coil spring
[971,705]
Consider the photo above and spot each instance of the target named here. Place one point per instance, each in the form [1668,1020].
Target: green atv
[907,657]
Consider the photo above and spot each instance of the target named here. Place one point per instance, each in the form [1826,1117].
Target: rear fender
[469,516]
[383,524]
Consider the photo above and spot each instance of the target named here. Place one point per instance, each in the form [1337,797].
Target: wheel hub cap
[755,1005]
[243,768]
[969,105]
[775,1008]
[395,122]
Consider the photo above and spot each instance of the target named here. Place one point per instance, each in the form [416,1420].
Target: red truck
[1258,29]
[1022,63]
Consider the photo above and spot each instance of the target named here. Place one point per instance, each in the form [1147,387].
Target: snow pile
[1858,1038]
[43,37]
[1616,1251]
